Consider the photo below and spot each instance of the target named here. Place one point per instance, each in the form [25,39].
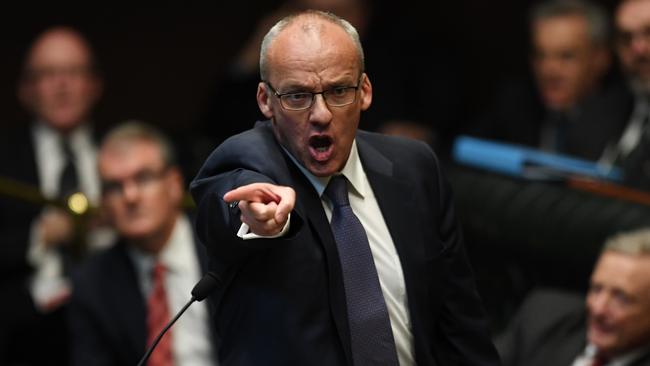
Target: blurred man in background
[124,296]
[633,47]
[55,153]
[570,107]
[554,328]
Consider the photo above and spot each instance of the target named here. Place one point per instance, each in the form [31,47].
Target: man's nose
[598,303]
[320,112]
[640,45]
[131,191]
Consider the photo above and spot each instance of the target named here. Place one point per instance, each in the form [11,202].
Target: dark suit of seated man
[124,296]
[387,281]
[556,328]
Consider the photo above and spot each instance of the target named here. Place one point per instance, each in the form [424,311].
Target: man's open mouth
[320,147]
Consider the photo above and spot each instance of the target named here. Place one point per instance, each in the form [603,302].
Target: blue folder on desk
[526,162]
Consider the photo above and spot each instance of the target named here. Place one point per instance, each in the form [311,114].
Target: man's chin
[322,170]
[136,232]
[64,123]
[600,339]
[557,102]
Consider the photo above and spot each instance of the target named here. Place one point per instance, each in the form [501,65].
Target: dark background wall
[160,61]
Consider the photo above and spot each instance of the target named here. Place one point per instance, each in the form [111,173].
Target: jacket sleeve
[217,222]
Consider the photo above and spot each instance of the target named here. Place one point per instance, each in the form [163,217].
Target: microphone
[201,290]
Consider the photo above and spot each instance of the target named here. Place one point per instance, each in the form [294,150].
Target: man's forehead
[633,13]
[299,52]
[625,271]
[59,46]
[310,29]
[130,150]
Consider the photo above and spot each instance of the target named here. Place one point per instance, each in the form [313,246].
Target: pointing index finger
[256,192]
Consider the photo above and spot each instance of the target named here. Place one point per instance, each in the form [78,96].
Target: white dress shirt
[48,282]
[389,268]
[587,357]
[191,335]
[632,134]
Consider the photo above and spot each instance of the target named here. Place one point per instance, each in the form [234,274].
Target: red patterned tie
[157,319]
[600,360]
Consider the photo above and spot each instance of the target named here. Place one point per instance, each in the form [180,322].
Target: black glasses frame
[324,93]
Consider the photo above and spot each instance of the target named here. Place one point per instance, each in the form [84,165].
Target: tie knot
[337,191]
[600,360]
[158,271]
[66,148]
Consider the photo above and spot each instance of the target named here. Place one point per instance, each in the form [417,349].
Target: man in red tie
[126,295]
[613,329]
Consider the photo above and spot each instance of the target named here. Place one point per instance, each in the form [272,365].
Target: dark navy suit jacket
[283,301]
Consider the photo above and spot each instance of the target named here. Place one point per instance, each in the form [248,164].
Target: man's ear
[366,92]
[176,190]
[264,100]
[97,88]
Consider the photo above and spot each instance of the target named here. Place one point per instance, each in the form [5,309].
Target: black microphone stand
[201,290]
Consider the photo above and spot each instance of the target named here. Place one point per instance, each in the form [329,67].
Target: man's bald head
[308,21]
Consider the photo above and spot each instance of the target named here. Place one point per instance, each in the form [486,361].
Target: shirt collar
[79,138]
[620,360]
[352,170]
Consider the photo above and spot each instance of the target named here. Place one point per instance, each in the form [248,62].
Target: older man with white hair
[613,329]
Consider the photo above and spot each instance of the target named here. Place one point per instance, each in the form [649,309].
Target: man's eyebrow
[297,86]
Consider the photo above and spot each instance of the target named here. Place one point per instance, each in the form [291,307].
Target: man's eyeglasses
[625,38]
[335,97]
[142,180]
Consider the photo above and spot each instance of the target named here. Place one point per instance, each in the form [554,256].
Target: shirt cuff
[244,231]
[47,285]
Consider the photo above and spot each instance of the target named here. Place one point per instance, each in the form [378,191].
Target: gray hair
[135,130]
[634,243]
[595,15]
[285,22]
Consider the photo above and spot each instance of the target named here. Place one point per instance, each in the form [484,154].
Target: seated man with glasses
[124,296]
[336,246]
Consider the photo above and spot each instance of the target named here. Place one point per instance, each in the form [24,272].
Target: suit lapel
[130,307]
[568,349]
[565,346]
[395,199]
[643,360]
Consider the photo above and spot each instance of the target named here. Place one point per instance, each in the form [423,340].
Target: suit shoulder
[259,138]
[98,267]
[399,147]
[250,149]
[554,303]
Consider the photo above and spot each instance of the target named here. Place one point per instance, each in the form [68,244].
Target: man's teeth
[321,149]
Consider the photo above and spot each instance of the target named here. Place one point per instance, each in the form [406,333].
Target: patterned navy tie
[370,330]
